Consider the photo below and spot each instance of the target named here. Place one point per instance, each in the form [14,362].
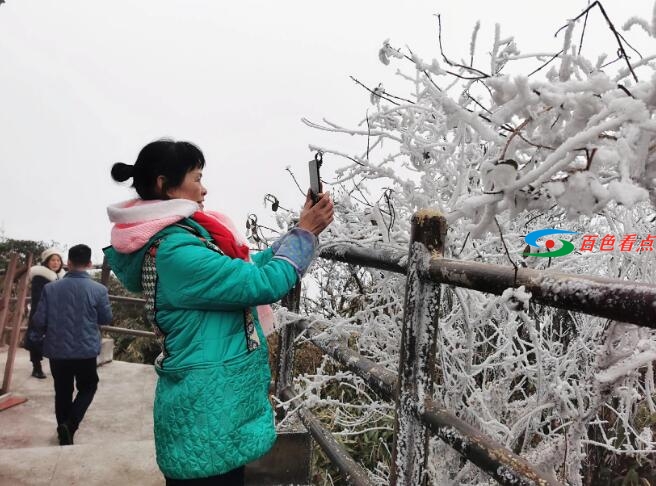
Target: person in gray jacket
[69,314]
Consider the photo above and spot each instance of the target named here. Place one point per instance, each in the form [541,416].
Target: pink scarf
[137,221]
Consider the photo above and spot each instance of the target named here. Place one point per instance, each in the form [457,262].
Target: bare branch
[481,74]
[624,88]
[555,56]
[380,95]
[585,23]
[514,133]
[589,157]
[503,242]
[368,135]
[617,35]
[295,181]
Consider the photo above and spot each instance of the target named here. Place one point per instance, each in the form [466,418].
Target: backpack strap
[149,277]
[149,284]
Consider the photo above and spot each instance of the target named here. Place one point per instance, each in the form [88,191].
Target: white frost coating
[626,366]
[472,43]
[627,193]
[516,299]
[583,194]
[539,380]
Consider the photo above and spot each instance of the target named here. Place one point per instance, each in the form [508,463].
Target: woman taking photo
[50,269]
[212,413]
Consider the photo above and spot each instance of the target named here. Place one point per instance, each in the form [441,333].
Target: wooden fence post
[417,355]
[6,294]
[286,343]
[104,273]
[17,319]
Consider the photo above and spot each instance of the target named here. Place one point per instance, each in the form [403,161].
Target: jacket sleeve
[296,246]
[191,276]
[40,317]
[104,308]
[263,257]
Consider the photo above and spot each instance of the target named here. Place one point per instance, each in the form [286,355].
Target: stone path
[114,444]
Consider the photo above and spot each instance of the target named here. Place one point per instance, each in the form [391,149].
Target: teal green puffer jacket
[211,411]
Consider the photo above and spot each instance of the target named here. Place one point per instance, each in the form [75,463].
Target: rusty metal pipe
[126,300]
[128,332]
[499,462]
[620,300]
[354,474]
[377,377]
[382,259]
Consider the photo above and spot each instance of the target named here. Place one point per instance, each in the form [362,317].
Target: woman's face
[191,188]
[54,263]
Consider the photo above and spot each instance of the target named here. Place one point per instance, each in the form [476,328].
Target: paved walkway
[113,446]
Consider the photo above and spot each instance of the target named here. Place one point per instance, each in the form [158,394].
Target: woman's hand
[315,218]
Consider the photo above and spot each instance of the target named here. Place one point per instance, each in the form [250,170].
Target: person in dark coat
[50,269]
[69,314]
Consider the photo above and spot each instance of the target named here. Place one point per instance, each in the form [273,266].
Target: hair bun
[122,172]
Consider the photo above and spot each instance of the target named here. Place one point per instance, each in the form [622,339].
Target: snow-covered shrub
[570,145]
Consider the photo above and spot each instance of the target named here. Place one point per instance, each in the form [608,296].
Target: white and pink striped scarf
[136,221]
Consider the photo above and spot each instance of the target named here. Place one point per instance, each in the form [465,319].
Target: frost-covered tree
[568,144]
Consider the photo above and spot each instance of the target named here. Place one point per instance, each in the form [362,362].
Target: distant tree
[130,316]
[22,247]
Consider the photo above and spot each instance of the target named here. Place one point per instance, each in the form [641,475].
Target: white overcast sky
[85,83]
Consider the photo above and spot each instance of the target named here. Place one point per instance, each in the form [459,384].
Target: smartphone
[315,178]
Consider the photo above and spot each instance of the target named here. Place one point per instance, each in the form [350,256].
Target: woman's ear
[162,186]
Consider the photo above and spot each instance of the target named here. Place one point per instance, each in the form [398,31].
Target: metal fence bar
[379,378]
[112,298]
[499,462]
[382,259]
[615,299]
[128,332]
[610,298]
[354,474]
[417,353]
[126,300]
[286,348]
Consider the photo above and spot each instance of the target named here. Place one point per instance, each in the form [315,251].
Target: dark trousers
[231,478]
[82,373]
[36,356]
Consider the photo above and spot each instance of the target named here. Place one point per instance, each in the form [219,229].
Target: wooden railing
[418,414]
[15,280]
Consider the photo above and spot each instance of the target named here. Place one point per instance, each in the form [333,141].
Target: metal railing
[418,415]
